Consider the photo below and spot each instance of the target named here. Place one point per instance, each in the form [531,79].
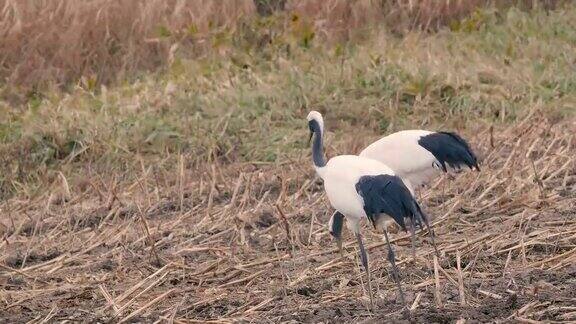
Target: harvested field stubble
[249,242]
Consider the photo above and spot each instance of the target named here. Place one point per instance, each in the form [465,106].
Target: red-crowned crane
[359,187]
[416,156]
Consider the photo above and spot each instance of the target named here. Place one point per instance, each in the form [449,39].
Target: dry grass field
[175,184]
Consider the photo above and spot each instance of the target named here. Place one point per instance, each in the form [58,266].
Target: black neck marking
[317,148]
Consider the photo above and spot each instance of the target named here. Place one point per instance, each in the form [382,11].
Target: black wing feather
[387,194]
[337,224]
[449,148]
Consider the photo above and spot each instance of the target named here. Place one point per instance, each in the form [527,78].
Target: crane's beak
[310,138]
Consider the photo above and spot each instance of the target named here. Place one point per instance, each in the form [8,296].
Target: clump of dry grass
[339,20]
[58,42]
[101,40]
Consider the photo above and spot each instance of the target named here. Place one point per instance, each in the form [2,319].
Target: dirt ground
[249,243]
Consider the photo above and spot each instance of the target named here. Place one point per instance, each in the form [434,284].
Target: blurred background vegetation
[98,87]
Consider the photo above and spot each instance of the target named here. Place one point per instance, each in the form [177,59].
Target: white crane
[416,156]
[359,187]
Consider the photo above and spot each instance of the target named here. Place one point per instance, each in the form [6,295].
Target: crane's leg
[412,225]
[395,272]
[364,258]
[429,228]
[339,243]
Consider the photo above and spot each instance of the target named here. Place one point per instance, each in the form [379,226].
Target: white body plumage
[417,156]
[340,175]
[402,153]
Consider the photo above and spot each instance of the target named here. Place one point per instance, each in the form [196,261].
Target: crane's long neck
[317,146]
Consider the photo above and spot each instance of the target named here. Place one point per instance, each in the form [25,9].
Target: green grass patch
[249,105]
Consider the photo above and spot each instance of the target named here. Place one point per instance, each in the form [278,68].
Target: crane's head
[315,123]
